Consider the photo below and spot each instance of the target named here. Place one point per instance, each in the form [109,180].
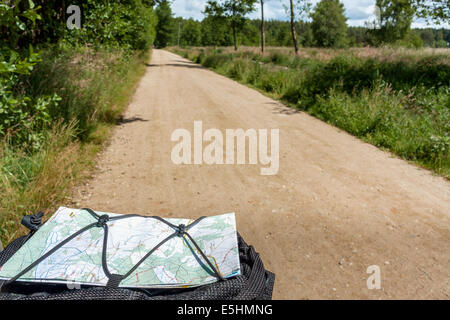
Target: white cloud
[189,8]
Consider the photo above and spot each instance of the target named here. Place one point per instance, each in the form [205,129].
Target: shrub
[213,61]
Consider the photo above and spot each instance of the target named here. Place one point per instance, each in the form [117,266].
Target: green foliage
[22,119]
[232,12]
[432,10]
[25,114]
[164,28]
[190,33]
[329,24]
[379,117]
[215,31]
[16,21]
[352,75]
[122,24]
[434,38]
[56,87]
[395,20]
[94,87]
[411,40]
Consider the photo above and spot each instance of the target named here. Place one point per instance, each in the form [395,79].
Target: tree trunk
[294,35]
[179,31]
[234,36]
[263,39]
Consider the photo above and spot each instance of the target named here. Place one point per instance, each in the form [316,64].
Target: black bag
[254,283]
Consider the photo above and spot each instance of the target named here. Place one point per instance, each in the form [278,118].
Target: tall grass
[29,183]
[95,87]
[399,101]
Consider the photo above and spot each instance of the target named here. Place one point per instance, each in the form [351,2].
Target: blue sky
[357,11]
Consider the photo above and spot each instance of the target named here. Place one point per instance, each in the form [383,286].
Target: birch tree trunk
[294,35]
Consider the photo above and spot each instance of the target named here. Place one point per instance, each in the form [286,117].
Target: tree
[357,36]
[427,36]
[213,25]
[302,8]
[233,11]
[329,24]
[191,33]
[250,34]
[282,34]
[126,24]
[442,38]
[293,33]
[395,17]
[306,38]
[164,27]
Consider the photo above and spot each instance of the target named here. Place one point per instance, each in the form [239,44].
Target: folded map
[177,263]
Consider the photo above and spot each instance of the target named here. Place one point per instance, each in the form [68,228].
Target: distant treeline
[196,33]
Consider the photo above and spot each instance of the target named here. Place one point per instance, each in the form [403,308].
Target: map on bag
[177,263]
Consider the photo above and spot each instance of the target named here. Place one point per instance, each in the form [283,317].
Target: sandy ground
[335,207]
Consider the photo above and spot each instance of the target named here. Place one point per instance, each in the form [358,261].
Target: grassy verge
[399,101]
[94,87]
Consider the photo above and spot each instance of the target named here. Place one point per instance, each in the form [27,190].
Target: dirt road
[335,207]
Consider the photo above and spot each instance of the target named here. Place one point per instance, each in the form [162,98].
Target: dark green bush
[351,75]
[213,61]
